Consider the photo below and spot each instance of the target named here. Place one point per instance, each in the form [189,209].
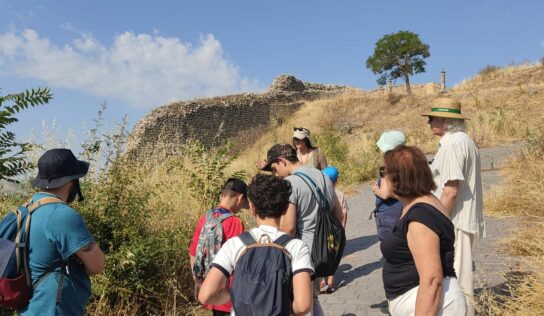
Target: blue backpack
[15,283]
[262,279]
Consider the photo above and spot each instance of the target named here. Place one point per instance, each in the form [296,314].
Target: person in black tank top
[418,273]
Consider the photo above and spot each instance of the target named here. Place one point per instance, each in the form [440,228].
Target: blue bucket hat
[332,172]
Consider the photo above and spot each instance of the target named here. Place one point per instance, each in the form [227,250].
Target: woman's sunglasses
[382,171]
[299,129]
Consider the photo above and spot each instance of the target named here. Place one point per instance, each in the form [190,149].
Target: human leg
[316,310]
[463,266]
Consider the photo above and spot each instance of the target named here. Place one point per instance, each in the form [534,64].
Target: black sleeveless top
[399,270]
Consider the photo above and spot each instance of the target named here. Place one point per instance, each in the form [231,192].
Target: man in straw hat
[457,175]
[62,252]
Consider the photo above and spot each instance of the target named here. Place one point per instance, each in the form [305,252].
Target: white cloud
[141,69]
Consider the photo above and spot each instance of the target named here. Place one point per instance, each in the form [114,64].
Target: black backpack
[262,279]
[329,235]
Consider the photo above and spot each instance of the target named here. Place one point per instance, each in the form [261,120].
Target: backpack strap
[247,238]
[24,243]
[224,216]
[283,240]
[322,197]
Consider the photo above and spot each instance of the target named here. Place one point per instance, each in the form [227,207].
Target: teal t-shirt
[57,232]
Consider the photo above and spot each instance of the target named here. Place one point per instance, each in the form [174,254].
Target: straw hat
[446,107]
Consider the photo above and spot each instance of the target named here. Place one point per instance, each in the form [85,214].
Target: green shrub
[356,164]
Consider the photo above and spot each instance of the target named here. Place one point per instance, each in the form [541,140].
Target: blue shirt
[57,232]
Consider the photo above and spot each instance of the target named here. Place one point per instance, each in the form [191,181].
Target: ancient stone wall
[212,121]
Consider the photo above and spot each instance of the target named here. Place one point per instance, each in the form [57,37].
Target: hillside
[503,104]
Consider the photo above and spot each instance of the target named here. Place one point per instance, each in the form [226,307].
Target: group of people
[427,216]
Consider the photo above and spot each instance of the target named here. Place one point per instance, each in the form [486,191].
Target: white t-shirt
[228,255]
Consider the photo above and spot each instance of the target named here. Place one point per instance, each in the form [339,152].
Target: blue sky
[137,55]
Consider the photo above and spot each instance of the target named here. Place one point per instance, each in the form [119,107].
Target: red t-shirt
[232,227]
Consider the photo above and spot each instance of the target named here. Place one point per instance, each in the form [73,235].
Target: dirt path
[360,290]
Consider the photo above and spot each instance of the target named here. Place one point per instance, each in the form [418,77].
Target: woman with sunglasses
[308,154]
[388,209]
[418,273]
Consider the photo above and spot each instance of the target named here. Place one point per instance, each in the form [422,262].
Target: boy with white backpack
[271,270]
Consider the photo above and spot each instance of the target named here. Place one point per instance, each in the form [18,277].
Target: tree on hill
[398,55]
[13,161]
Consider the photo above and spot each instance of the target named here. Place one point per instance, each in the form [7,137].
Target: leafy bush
[13,162]
[356,164]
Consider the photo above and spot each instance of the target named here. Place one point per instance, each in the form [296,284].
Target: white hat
[301,133]
[390,140]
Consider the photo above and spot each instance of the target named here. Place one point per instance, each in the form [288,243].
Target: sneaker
[330,289]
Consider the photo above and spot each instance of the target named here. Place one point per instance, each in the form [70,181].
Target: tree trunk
[407,70]
[407,81]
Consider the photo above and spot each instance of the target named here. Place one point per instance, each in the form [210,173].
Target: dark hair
[269,195]
[409,172]
[306,142]
[229,193]
[291,159]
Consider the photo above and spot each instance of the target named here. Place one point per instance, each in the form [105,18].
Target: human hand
[260,164]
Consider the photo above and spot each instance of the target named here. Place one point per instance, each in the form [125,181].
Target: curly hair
[409,172]
[269,195]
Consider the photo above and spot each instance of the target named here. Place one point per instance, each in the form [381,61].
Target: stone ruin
[212,121]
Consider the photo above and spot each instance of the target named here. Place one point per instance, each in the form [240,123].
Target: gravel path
[359,280]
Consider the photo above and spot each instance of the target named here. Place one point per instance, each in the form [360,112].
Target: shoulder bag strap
[315,187]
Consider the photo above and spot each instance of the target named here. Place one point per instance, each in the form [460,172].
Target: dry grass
[503,106]
[521,196]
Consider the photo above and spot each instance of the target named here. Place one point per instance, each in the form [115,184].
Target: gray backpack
[209,243]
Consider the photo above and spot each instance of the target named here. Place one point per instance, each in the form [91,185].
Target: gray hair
[455,125]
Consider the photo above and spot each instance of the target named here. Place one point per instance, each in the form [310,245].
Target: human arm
[424,245]
[191,265]
[337,210]
[92,258]
[302,293]
[321,159]
[382,190]
[213,290]
[288,222]
[449,195]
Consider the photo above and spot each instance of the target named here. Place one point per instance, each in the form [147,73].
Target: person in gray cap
[300,218]
[62,252]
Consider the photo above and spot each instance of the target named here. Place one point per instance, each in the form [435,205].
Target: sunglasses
[431,119]
[382,172]
[299,129]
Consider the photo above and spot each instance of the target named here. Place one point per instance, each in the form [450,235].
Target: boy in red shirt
[233,198]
